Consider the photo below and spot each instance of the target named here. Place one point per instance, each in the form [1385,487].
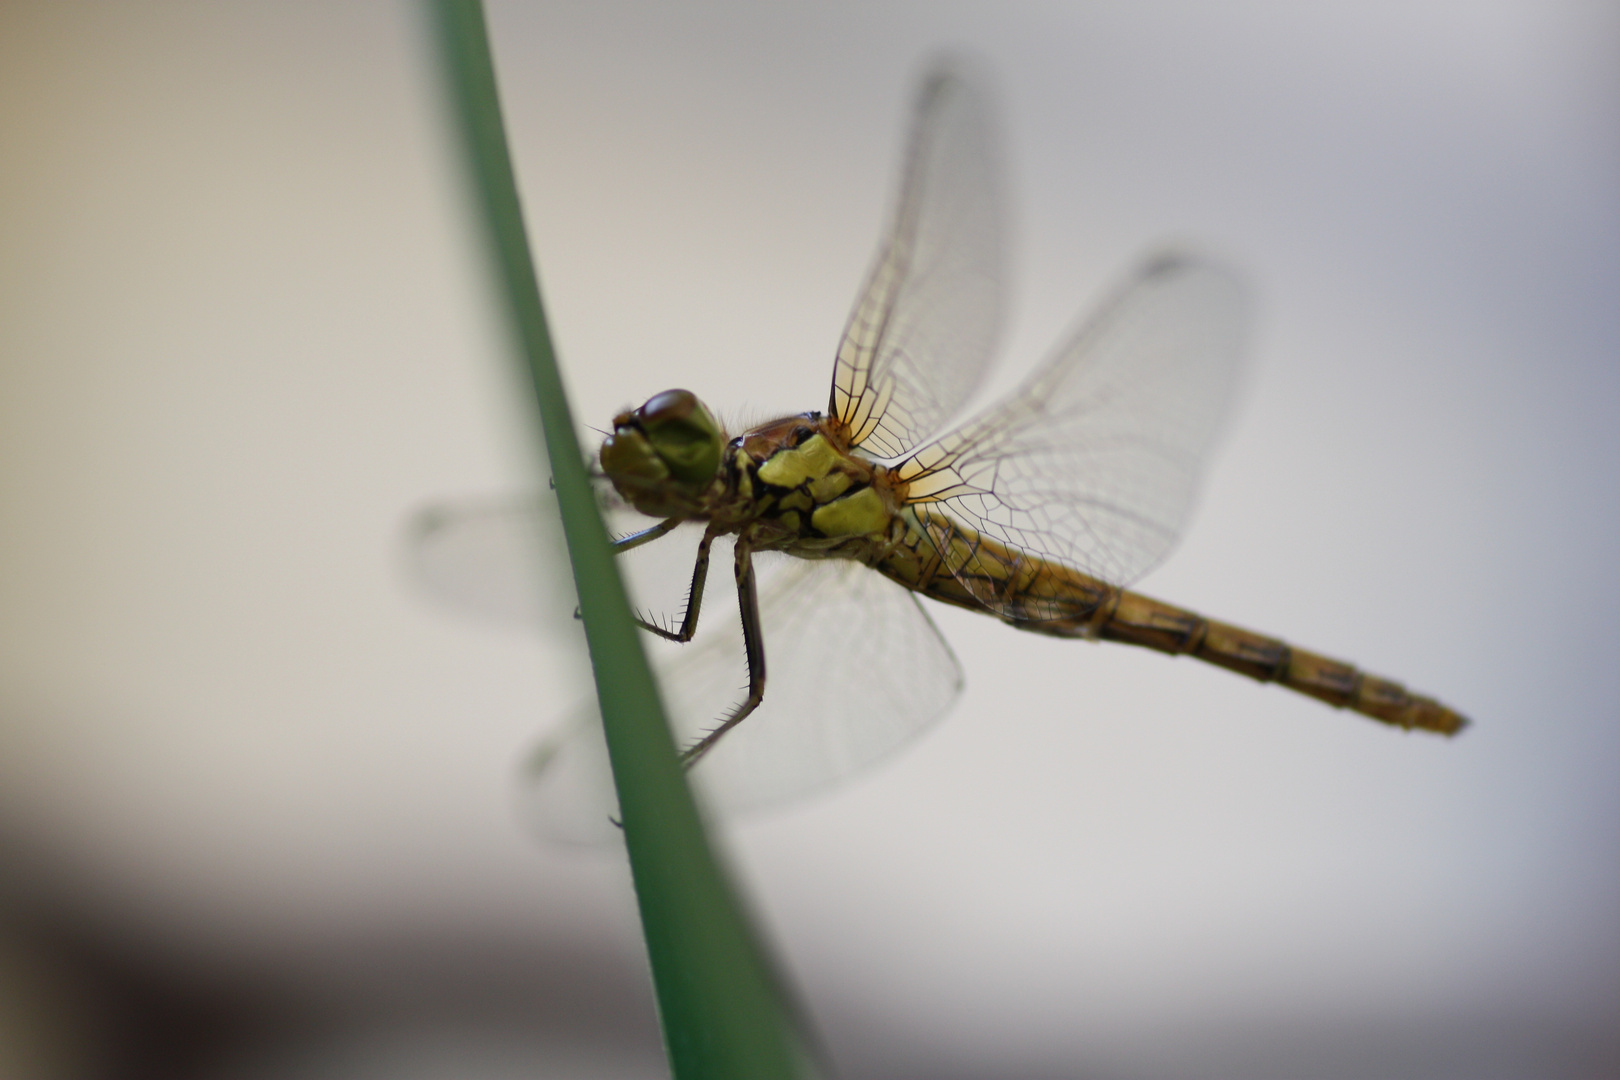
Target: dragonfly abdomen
[941,558]
[1153,624]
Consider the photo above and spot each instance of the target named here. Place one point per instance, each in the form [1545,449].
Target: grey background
[256,795]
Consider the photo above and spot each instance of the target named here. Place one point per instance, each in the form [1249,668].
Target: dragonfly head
[663,456]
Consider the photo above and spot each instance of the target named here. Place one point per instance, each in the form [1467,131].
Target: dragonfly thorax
[795,485]
[792,484]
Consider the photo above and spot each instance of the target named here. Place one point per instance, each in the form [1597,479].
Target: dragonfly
[1040,510]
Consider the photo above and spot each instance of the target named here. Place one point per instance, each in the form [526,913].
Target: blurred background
[256,795]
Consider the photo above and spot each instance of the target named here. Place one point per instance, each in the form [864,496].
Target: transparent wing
[1094,462]
[923,331]
[856,669]
[503,559]
[500,559]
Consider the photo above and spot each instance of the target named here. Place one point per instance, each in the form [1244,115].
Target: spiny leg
[694,596]
[753,646]
[645,536]
[635,540]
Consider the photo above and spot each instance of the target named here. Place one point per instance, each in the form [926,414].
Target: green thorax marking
[819,480]
[810,460]
[860,514]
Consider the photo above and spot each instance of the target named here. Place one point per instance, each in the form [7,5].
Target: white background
[244,332]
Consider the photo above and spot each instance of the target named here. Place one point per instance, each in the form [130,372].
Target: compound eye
[670,405]
[684,434]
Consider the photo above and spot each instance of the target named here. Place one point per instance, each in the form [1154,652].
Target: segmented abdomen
[1138,620]
[943,559]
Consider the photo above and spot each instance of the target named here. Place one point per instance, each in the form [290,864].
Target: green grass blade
[718,1000]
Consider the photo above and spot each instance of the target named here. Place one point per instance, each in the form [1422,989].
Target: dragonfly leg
[694,598]
[636,539]
[754,647]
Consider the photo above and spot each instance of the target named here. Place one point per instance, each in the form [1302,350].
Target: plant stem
[718,999]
